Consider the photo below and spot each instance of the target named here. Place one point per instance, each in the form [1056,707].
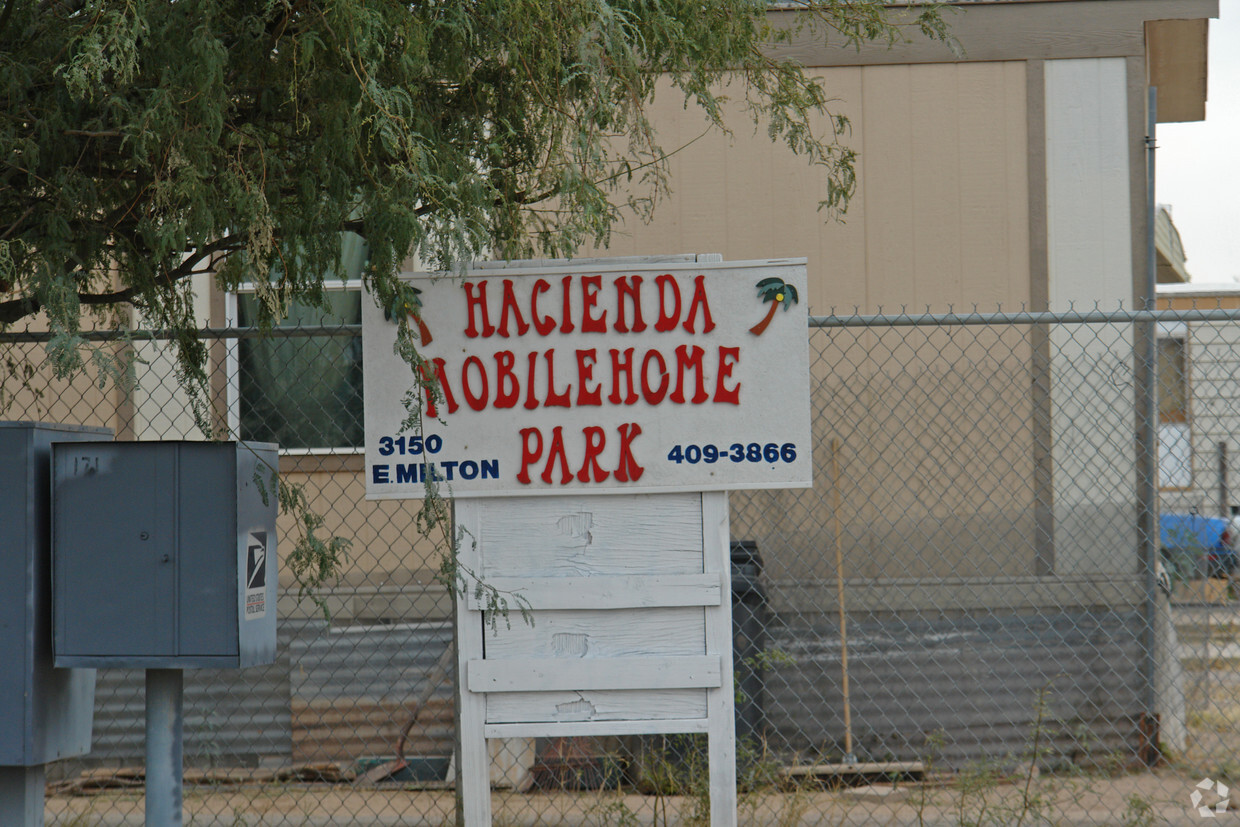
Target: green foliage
[463,581]
[145,141]
[313,560]
[1138,812]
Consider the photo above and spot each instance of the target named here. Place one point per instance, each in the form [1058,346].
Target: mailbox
[163,554]
[45,713]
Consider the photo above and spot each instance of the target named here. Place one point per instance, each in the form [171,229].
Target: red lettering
[728,357]
[477,302]
[476,401]
[687,359]
[628,469]
[586,360]
[699,300]
[544,325]
[622,369]
[630,287]
[531,401]
[509,306]
[590,469]
[439,386]
[654,395]
[556,451]
[667,318]
[590,285]
[507,387]
[529,454]
[555,398]
[566,321]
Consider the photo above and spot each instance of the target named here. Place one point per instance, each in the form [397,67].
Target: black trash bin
[750,619]
[660,762]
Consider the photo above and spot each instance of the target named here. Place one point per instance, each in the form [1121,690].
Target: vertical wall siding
[1089,238]
[940,215]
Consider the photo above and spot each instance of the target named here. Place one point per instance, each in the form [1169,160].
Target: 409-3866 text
[736,452]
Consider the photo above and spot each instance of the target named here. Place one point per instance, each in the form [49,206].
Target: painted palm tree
[777,292]
[412,307]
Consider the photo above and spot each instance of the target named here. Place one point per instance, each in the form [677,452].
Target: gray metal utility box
[164,554]
[45,713]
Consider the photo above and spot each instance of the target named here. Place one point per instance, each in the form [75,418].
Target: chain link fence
[962,622]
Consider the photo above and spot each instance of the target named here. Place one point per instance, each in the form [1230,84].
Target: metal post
[21,795]
[1146,401]
[1224,510]
[164,724]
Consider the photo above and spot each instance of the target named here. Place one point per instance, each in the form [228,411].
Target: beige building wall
[940,217]
[161,410]
[390,568]
[940,221]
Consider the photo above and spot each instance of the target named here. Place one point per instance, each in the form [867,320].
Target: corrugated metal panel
[376,662]
[353,689]
[331,695]
[233,717]
[970,682]
[964,688]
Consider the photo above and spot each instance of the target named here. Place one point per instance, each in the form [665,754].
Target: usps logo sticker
[256,576]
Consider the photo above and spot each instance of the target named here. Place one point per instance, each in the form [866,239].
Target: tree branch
[17,221]
[107,133]
[27,305]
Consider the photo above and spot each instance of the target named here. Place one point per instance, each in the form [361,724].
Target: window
[1175,455]
[301,392]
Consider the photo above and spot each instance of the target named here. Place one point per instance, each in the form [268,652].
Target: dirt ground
[1161,797]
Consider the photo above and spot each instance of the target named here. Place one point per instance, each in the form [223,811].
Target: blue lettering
[407,472]
[448,466]
[490,469]
[469,469]
[379,474]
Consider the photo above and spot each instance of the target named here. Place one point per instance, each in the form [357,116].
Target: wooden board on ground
[1212,591]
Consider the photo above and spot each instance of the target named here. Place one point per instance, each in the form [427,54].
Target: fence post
[1146,401]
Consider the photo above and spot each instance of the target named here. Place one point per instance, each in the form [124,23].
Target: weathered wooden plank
[862,768]
[548,674]
[553,730]
[585,536]
[601,705]
[720,701]
[473,770]
[583,633]
[605,591]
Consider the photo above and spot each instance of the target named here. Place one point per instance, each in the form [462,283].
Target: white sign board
[596,377]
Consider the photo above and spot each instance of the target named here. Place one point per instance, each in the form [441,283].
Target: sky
[1197,166]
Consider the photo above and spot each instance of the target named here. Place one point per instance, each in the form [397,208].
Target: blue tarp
[1190,532]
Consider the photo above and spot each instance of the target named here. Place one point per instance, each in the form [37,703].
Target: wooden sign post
[591,417]
[631,629]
